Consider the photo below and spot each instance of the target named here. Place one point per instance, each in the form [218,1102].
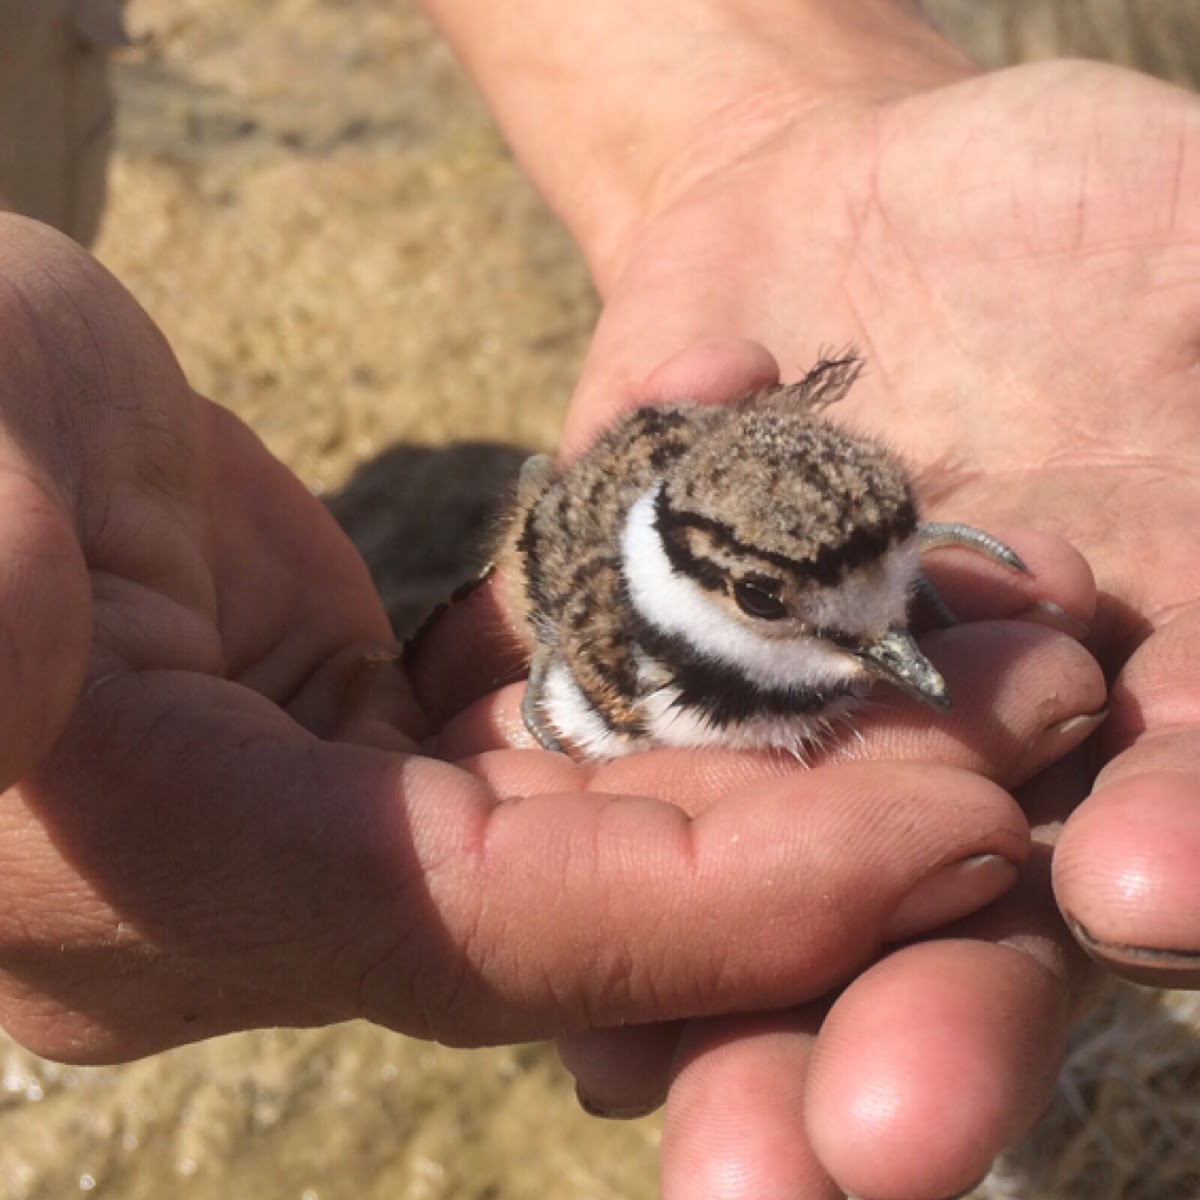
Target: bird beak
[896,659]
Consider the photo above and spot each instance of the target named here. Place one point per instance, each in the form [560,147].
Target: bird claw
[935,535]
[532,711]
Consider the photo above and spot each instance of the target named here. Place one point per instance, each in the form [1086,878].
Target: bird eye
[756,601]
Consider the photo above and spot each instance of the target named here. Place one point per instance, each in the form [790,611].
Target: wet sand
[310,200]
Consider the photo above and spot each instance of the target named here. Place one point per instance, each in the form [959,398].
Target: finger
[1022,696]
[641,875]
[1125,870]
[1057,589]
[735,1117]
[711,371]
[958,1037]
[622,1073]
[963,1034]
[362,695]
[464,651]
[707,369]
[627,1072]
[635,1076]
[209,846]
[292,591]
[632,1078]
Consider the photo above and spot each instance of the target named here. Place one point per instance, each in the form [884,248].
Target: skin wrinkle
[622,982]
[12,646]
[402,924]
[440,986]
[875,207]
[171,476]
[1166,465]
[105,393]
[1175,188]
[463,861]
[127,516]
[62,448]
[1169,182]
[479,943]
[934,486]
[124,545]
[1162,615]
[130,640]
[245,672]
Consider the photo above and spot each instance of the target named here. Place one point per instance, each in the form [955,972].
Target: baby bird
[722,576]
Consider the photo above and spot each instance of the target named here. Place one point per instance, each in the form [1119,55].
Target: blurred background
[313,204]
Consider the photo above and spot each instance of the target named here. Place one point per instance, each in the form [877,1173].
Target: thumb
[697,366]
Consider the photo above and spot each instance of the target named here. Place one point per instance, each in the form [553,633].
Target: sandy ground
[310,200]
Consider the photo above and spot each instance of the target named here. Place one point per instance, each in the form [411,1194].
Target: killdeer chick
[722,576]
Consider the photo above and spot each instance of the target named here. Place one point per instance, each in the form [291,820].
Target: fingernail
[376,672]
[370,662]
[616,1112]
[1046,612]
[951,892]
[1150,965]
[1079,727]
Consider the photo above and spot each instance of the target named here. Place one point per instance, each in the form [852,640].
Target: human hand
[217,816]
[1017,256]
[735,1112]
